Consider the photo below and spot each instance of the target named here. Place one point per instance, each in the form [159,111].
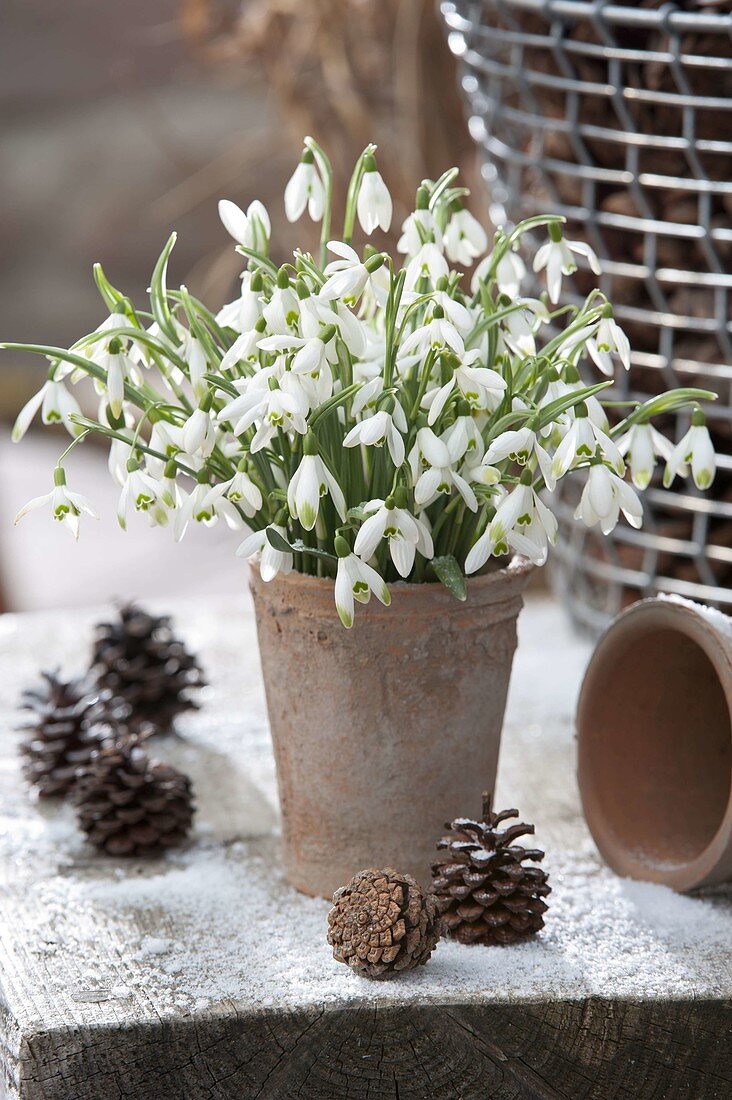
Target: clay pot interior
[655,749]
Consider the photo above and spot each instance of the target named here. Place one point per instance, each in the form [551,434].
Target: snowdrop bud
[283,279]
[374,206]
[400,497]
[305,189]
[423,199]
[234,220]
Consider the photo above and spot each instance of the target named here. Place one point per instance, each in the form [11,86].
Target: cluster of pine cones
[82,738]
[486,890]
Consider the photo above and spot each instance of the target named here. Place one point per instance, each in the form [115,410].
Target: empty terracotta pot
[654,724]
[384,732]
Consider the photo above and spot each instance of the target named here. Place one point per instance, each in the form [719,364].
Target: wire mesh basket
[620,118]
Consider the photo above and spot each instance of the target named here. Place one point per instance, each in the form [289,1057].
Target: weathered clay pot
[655,744]
[384,732]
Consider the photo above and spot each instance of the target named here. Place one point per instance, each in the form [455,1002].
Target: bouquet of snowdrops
[361,417]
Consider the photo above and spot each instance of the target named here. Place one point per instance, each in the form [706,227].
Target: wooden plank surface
[204,975]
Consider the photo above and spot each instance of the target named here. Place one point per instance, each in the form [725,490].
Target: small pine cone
[138,658]
[130,805]
[485,892]
[381,924]
[67,720]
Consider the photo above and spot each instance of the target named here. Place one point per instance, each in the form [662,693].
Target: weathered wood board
[203,975]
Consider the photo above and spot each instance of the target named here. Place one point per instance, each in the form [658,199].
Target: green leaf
[159,292]
[275,539]
[663,403]
[451,575]
[556,408]
[316,552]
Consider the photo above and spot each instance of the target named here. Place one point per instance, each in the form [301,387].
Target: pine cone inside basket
[130,805]
[66,721]
[382,924]
[139,659]
[485,891]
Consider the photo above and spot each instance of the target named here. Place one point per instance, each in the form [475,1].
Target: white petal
[234,220]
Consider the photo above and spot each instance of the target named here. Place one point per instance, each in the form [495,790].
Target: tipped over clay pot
[384,732]
[654,724]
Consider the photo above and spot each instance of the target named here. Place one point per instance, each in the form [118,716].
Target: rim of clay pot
[654,726]
[518,569]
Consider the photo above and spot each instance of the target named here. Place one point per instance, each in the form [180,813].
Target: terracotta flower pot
[655,744]
[384,732]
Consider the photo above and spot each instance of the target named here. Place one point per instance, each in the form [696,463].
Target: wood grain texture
[584,1050]
[616,998]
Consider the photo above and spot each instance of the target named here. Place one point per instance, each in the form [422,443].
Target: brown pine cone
[382,924]
[130,805]
[138,658]
[67,720]
[485,892]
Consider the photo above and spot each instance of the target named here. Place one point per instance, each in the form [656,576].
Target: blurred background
[119,123]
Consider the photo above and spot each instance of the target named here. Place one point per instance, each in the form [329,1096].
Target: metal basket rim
[671,15]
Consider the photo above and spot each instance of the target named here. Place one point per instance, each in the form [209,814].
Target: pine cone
[139,659]
[485,892]
[382,924]
[67,721]
[130,805]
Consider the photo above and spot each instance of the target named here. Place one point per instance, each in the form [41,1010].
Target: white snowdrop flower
[480,551]
[368,395]
[556,255]
[195,357]
[465,237]
[140,491]
[355,580]
[418,228]
[510,273]
[310,354]
[642,444]
[522,512]
[438,478]
[382,427]
[481,387]
[206,504]
[57,406]
[464,439]
[428,450]
[242,490]
[457,314]
[349,276]
[167,439]
[404,532]
[272,561]
[695,449]
[66,506]
[608,339]
[283,408]
[441,480]
[199,433]
[373,205]
[119,454]
[581,442]
[427,263]
[243,313]
[519,446]
[604,497]
[252,230]
[435,334]
[305,189]
[119,368]
[243,348]
[520,326]
[282,311]
[311,481]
